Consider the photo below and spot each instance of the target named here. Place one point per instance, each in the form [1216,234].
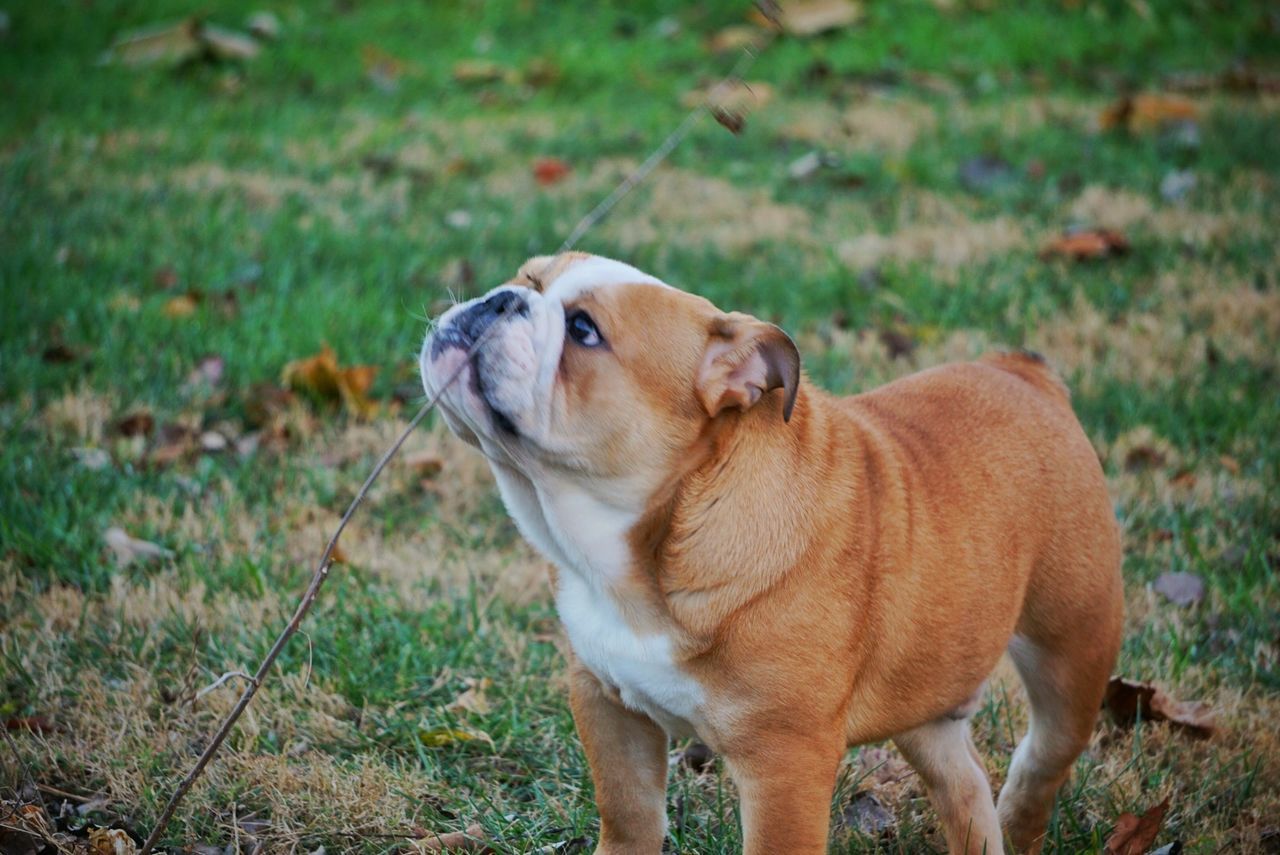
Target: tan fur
[849,576]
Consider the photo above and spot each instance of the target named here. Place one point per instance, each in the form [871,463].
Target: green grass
[308,206]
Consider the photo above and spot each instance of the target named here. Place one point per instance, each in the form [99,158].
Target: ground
[171,238]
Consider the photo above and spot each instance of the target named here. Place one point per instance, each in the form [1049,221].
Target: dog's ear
[534,273]
[745,359]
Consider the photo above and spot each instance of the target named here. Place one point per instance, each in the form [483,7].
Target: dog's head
[590,366]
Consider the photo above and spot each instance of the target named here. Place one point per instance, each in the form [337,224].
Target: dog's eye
[582,329]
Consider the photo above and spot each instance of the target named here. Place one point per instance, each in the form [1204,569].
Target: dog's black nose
[479,317]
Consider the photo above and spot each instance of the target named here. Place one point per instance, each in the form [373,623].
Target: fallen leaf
[438,737]
[733,122]
[897,341]
[985,174]
[1147,111]
[479,71]
[735,38]
[165,278]
[136,423]
[540,72]
[23,828]
[174,441]
[171,44]
[127,549]
[264,25]
[1133,835]
[338,555]
[473,699]
[550,170]
[59,354]
[383,70]
[228,45]
[1230,464]
[213,442]
[110,841]
[697,757]
[811,17]
[182,306]
[32,723]
[266,402]
[471,840]
[1181,589]
[1128,700]
[866,814]
[93,459]
[425,464]
[1087,245]
[321,376]
[207,372]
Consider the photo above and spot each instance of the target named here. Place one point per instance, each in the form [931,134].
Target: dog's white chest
[641,667]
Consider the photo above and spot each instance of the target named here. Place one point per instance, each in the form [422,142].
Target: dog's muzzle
[471,323]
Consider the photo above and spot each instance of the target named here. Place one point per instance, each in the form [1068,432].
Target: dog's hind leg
[1065,690]
[942,752]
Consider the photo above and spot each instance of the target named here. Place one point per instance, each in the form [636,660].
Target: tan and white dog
[781,572]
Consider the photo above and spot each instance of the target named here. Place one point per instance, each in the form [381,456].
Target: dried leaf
[264,25]
[471,840]
[697,758]
[174,441]
[171,44]
[550,170]
[93,459]
[811,17]
[321,376]
[1133,835]
[1128,700]
[425,464]
[383,70]
[182,306]
[479,71]
[733,122]
[1087,245]
[57,354]
[438,737]
[110,841]
[127,549]
[1146,112]
[473,699]
[228,45]
[136,423]
[1181,589]
[735,38]
[865,813]
[32,723]
[207,372]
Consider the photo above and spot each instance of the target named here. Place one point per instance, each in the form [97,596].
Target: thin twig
[24,768]
[218,682]
[600,211]
[584,225]
[304,605]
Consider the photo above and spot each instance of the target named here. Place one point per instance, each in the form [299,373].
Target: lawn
[171,238]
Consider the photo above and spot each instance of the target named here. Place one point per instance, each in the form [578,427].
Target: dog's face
[592,368]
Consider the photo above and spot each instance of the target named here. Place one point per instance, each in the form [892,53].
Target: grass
[304,204]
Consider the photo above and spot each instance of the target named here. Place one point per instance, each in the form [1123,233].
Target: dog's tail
[1032,367]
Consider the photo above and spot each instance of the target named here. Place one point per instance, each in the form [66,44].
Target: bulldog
[785,573]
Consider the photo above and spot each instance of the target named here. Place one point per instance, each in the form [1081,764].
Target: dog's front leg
[627,753]
[786,781]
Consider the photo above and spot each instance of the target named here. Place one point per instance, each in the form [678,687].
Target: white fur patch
[641,667]
[596,272]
